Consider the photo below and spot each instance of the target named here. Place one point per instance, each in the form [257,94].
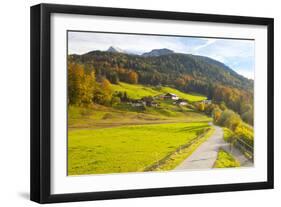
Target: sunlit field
[126,149]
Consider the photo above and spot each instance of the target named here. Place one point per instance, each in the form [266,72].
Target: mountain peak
[115,49]
[158,52]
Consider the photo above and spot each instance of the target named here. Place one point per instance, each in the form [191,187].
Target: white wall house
[182,103]
[171,96]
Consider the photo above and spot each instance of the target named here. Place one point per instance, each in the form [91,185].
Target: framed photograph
[133,103]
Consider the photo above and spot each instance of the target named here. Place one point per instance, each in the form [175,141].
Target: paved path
[205,155]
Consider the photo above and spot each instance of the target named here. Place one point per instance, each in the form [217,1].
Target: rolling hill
[165,67]
[137,91]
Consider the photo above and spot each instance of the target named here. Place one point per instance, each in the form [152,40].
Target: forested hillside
[188,73]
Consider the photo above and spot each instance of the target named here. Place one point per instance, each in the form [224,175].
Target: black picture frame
[40,184]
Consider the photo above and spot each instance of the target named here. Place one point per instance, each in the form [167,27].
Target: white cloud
[209,42]
[81,42]
[237,54]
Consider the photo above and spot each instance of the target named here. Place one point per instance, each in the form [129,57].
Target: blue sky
[237,54]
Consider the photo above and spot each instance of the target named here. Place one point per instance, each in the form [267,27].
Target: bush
[115,100]
[246,133]
[248,117]
[229,119]
[216,114]
[227,134]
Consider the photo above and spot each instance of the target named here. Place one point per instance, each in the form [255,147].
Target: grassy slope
[187,96]
[127,148]
[97,116]
[93,114]
[225,160]
[138,91]
[135,91]
[227,134]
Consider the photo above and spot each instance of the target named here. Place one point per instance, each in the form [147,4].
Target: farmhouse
[171,96]
[181,102]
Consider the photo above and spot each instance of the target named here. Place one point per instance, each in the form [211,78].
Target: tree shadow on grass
[192,128]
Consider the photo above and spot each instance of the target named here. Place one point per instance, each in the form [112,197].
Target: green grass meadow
[127,148]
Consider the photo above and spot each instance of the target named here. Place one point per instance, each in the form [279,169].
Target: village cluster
[152,101]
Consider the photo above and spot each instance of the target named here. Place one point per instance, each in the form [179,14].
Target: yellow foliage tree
[80,85]
[201,106]
[216,114]
[133,77]
[106,91]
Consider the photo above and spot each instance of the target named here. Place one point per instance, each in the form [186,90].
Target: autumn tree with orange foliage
[216,114]
[133,77]
[80,85]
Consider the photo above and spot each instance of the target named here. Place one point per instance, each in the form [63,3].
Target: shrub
[246,133]
[115,100]
[227,134]
[229,119]
[216,115]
